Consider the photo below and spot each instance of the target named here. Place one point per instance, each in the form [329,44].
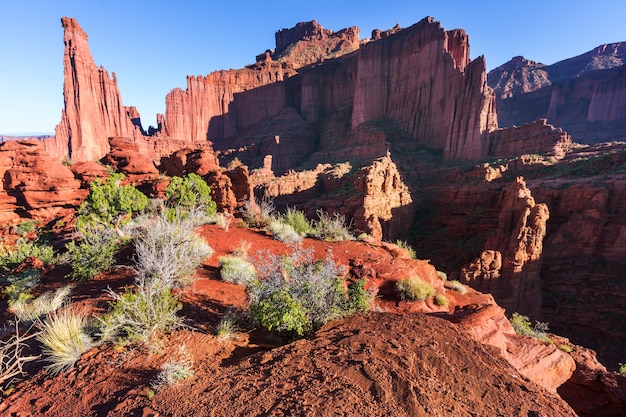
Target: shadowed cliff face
[465,218]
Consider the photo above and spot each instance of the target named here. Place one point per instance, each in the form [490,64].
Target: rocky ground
[401,359]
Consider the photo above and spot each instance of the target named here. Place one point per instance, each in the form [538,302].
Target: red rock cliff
[421,78]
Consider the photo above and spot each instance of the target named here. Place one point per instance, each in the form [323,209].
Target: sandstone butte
[377,130]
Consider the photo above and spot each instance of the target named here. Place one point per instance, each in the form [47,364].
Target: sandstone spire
[93,107]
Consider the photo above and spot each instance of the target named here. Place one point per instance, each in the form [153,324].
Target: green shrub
[64,339]
[42,305]
[236,270]
[280,312]
[13,255]
[109,204]
[25,228]
[442,275]
[332,228]
[521,324]
[296,295]
[95,253]
[359,300]
[414,289]
[566,348]
[170,250]
[18,287]
[298,222]
[190,192]
[138,314]
[456,286]
[284,232]
[622,370]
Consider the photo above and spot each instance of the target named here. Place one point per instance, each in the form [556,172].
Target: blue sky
[153,45]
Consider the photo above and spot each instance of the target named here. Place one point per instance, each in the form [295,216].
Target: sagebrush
[295,294]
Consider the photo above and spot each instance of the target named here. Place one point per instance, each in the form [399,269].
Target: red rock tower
[93,105]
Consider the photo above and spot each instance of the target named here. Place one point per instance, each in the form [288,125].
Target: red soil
[383,363]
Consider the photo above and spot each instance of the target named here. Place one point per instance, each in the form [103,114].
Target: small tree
[95,253]
[189,192]
[110,204]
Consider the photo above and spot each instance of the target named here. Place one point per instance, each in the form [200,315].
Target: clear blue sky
[153,45]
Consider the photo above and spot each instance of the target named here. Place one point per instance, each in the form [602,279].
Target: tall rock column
[509,266]
[93,107]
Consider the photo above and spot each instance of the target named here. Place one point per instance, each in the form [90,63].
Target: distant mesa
[585,95]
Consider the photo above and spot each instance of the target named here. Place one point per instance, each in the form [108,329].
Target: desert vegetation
[522,325]
[295,294]
[290,296]
[414,289]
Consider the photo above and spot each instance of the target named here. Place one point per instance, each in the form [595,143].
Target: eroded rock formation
[509,266]
[536,137]
[309,43]
[35,182]
[419,79]
[384,205]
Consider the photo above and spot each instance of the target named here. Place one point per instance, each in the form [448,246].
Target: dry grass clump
[12,359]
[441,300]
[332,228]
[227,328]
[259,213]
[456,286]
[64,338]
[236,270]
[414,289]
[47,302]
[174,371]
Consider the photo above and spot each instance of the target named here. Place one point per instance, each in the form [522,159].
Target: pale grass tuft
[332,228]
[63,338]
[456,286]
[414,289]
[284,232]
[227,328]
[174,370]
[236,270]
[42,305]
